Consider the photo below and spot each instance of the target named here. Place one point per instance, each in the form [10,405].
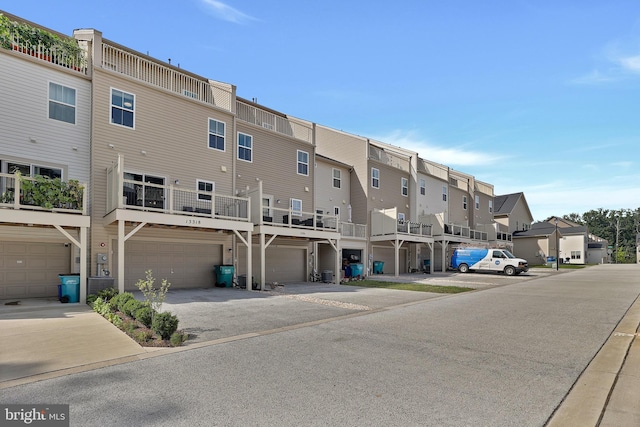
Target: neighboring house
[512,212]
[45,118]
[572,244]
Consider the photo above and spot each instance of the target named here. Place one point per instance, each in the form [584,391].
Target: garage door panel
[285,265]
[30,269]
[184,265]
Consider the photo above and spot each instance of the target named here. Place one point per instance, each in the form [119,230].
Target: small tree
[155,297]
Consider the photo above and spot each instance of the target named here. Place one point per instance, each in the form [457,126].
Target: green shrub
[177,338]
[118,301]
[114,318]
[165,324]
[131,306]
[129,326]
[91,299]
[144,315]
[108,293]
[143,335]
[101,307]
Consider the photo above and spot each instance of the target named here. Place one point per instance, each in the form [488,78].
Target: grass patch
[418,287]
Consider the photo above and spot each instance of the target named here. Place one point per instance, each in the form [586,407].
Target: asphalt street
[502,356]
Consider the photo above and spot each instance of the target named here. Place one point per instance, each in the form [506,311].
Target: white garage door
[30,269]
[387,255]
[285,265]
[184,265]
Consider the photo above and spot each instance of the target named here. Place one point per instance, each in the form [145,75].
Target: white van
[483,259]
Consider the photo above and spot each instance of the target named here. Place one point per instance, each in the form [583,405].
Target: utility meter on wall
[102,258]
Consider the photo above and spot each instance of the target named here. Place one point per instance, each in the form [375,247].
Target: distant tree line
[620,227]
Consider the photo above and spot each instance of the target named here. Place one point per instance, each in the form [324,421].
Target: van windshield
[509,254]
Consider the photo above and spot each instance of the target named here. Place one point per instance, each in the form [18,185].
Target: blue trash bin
[69,287]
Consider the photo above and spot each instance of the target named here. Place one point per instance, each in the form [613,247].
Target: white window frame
[62,102]
[490,206]
[268,202]
[294,210]
[423,187]
[404,187]
[401,217]
[244,147]
[464,202]
[336,179]
[477,202]
[205,197]
[336,211]
[375,178]
[123,107]
[301,163]
[444,193]
[216,134]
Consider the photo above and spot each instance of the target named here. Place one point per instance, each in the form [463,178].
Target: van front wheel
[463,268]
[509,270]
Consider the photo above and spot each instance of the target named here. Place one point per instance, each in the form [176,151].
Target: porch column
[262,260]
[120,256]
[249,280]
[338,263]
[83,265]
[397,255]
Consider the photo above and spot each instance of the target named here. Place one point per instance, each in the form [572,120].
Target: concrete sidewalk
[46,339]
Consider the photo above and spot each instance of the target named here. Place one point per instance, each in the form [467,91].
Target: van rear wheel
[509,270]
[463,268]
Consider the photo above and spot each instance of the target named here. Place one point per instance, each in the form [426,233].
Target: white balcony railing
[298,219]
[166,77]
[414,228]
[349,229]
[273,122]
[465,232]
[42,194]
[55,54]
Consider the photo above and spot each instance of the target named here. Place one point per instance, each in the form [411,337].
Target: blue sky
[535,96]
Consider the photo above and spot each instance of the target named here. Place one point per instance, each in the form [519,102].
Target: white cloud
[593,78]
[226,12]
[449,156]
[630,63]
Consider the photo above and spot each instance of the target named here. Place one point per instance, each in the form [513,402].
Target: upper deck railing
[42,194]
[273,122]
[166,77]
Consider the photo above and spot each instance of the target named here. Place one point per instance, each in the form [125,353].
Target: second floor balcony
[42,193]
[140,193]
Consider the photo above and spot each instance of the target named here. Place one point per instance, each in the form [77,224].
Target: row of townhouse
[178,175]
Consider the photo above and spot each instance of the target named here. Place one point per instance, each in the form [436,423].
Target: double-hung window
[337,178]
[423,187]
[62,103]
[245,147]
[490,206]
[122,108]
[404,186]
[296,207]
[375,178]
[477,202]
[464,202]
[205,189]
[216,134]
[444,194]
[303,163]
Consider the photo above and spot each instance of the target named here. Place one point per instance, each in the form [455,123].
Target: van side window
[498,254]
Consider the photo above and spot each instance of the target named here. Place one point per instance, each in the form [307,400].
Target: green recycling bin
[224,276]
[377,267]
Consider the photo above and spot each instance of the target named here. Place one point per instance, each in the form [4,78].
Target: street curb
[589,398]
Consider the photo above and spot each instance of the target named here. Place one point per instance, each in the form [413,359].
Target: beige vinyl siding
[457,215]
[26,117]
[274,162]
[171,129]
[389,194]
[519,217]
[327,197]
[482,216]
[352,150]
